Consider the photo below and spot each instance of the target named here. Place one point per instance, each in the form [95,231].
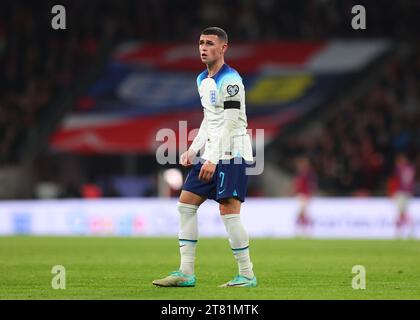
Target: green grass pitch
[123,268]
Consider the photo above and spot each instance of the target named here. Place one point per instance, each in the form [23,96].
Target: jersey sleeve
[232,91]
[201,137]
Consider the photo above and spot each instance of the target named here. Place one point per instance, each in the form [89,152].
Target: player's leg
[231,185]
[194,193]
[401,201]
[301,215]
[410,221]
[303,220]
[188,236]
[188,229]
[239,242]
[405,225]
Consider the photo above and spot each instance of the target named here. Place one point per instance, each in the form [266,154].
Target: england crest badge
[213,97]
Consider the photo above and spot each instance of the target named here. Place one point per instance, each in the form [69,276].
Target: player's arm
[232,106]
[200,139]
[231,115]
[232,90]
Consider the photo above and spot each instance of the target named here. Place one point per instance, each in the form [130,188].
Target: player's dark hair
[216,31]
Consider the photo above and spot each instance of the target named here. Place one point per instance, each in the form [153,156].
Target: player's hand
[207,171]
[187,158]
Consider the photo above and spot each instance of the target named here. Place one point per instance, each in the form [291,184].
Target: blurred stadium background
[80,109]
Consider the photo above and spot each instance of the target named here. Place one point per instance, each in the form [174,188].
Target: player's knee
[224,210]
[230,206]
[184,208]
[187,197]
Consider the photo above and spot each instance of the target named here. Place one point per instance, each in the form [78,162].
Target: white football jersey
[222,91]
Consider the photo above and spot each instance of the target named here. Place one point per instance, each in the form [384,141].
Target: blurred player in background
[305,186]
[222,177]
[404,175]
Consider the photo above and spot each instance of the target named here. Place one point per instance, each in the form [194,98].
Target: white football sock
[239,242]
[188,236]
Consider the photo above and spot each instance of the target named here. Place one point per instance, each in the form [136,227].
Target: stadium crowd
[354,151]
[37,64]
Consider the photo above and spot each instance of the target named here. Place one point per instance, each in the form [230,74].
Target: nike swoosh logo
[182,245]
[236,284]
[220,192]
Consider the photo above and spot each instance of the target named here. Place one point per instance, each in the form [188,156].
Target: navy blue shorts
[229,181]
